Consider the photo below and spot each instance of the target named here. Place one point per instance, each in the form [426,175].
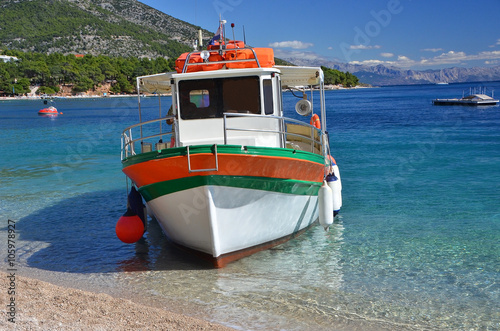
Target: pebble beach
[44,306]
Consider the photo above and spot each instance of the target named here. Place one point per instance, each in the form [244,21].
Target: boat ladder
[208,169]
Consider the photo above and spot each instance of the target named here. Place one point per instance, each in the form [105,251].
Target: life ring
[315,121]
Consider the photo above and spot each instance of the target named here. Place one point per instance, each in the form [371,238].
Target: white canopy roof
[290,76]
[159,83]
[300,76]
[478,97]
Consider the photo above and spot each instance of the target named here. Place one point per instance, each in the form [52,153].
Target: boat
[475,98]
[225,172]
[49,111]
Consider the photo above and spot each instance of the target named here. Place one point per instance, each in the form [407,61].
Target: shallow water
[416,246]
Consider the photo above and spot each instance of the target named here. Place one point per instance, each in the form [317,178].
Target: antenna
[244,36]
[224,31]
[200,39]
[232,28]
[220,32]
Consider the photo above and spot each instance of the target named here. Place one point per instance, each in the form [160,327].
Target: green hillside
[48,26]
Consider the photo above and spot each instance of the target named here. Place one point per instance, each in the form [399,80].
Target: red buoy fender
[129,227]
[315,121]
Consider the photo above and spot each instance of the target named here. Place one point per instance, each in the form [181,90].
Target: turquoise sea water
[416,247]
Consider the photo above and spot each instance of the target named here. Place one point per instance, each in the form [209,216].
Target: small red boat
[49,111]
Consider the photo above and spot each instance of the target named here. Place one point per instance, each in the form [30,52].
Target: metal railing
[186,63]
[289,131]
[128,142]
[314,139]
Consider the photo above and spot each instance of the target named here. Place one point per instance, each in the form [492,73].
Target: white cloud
[434,50]
[496,44]
[401,61]
[302,55]
[450,57]
[387,54]
[443,59]
[369,62]
[364,47]
[295,44]
[493,55]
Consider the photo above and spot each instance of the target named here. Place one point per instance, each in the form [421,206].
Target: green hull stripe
[290,186]
[223,149]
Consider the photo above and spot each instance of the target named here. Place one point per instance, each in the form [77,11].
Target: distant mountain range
[131,28]
[381,75]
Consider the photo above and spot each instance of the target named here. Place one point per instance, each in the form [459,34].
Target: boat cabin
[230,105]
[201,100]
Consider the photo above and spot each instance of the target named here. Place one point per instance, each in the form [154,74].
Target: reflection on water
[84,240]
[284,285]
[287,285]
[417,247]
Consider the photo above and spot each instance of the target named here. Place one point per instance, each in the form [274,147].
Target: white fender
[325,204]
[336,172]
[335,186]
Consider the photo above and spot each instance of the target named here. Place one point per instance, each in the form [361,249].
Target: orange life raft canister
[181,60]
[234,50]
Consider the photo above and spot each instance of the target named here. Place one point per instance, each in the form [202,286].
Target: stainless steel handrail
[127,141]
[284,131]
[315,138]
[188,57]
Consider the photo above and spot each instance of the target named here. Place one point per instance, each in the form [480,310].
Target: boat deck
[473,99]
[464,102]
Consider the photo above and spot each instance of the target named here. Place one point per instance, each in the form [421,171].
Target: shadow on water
[78,236]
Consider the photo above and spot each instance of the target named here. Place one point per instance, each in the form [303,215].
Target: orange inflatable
[315,121]
[194,58]
[264,55]
[234,50]
[214,56]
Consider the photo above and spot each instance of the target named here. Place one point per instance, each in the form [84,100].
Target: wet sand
[42,306]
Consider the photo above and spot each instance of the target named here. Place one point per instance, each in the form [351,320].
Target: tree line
[82,73]
[336,77]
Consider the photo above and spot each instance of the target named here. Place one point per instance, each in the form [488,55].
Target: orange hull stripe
[166,169]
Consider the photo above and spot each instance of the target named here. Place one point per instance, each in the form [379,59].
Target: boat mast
[200,40]
[139,105]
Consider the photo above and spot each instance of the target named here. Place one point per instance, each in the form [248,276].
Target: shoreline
[37,98]
[97,96]
[40,305]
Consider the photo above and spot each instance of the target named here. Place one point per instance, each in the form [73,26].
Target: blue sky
[413,34]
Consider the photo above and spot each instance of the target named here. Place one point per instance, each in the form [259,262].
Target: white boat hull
[218,220]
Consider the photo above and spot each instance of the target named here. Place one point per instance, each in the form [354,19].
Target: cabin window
[268,96]
[200,98]
[210,98]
